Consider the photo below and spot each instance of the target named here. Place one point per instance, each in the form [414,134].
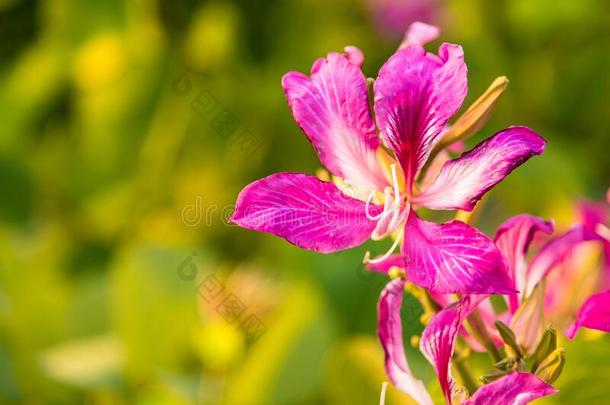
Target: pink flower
[437,344]
[595,310]
[415,95]
[594,314]
[528,308]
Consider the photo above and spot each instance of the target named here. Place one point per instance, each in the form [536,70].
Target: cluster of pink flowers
[387,144]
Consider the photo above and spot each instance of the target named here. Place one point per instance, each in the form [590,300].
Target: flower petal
[304,210]
[453,258]
[513,389]
[420,34]
[389,330]
[594,314]
[332,108]
[513,239]
[415,95]
[593,213]
[555,252]
[384,266]
[438,340]
[463,181]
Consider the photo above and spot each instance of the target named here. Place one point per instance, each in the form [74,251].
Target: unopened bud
[505,364]
[547,344]
[492,376]
[550,369]
[508,336]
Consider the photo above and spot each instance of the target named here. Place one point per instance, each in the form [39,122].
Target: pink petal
[420,34]
[594,314]
[593,213]
[304,210]
[555,252]
[513,239]
[389,330]
[415,95]
[332,108]
[513,389]
[384,266]
[438,340]
[453,258]
[463,181]
[354,55]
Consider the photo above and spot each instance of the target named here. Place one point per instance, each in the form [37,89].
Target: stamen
[383,213]
[384,386]
[387,254]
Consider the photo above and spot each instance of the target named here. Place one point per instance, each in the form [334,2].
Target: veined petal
[594,314]
[513,239]
[453,258]
[513,389]
[415,95]
[332,108]
[463,181]
[389,331]
[306,211]
[555,252]
[438,340]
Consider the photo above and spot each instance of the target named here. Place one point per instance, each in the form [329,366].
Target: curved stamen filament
[392,207]
[383,213]
[384,386]
[387,254]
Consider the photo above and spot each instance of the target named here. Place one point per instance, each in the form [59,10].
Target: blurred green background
[127,129]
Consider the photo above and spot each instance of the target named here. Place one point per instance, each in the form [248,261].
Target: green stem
[479,332]
[467,379]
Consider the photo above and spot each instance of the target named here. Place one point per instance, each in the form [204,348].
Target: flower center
[390,218]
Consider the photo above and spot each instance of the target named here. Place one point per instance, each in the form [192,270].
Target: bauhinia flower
[437,344]
[414,97]
[526,336]
[527,312]
[594,314]
[577,277]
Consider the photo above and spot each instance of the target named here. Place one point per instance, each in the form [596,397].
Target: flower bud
[548,343]
[505,364]
[492,376]
[550,369]
[508,336]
